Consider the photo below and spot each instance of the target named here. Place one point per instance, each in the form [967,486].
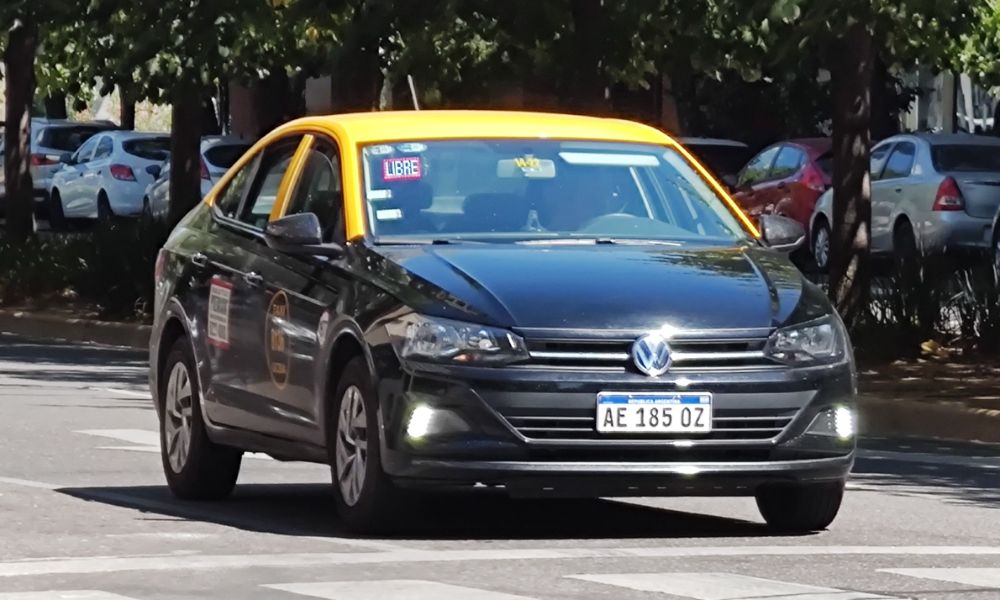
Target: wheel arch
[173,329]
[347,344]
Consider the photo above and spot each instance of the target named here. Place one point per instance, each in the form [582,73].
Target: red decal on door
[402,168]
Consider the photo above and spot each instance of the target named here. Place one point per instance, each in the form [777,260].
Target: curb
[899,417]
[40,325]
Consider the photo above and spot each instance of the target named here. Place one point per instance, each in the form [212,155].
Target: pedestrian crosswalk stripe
[392,589]
[63,595]
[984,577]
[722,586]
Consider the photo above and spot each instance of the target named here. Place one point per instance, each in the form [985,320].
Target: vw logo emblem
[651,354]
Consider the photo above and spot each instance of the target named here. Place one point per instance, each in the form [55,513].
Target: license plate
[619,412]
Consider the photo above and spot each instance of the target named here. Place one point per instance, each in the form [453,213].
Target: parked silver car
[52,139]
[931,193]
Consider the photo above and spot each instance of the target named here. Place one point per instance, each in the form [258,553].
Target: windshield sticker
[404,168]
[380,150]
[610,160]
[389,214]
[411,148]
[219,297]
[526,166]
[279,351]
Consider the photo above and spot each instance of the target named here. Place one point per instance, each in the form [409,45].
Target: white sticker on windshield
[388,214]
[601,159]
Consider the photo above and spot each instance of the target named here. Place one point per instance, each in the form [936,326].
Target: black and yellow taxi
[539,304]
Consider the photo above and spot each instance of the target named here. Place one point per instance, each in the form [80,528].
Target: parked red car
[786,178]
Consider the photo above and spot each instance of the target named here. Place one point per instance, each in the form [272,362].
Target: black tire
[377,507]
[208,471]
[800,508]
[904,247]
[821,259]
[104,212]
[57,216]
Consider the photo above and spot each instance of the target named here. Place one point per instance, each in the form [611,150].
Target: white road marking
[49,566]
[981,462]
[722,586]
[41,485]
[148,440]
[63,595]
[983,578]
[130,393]
[392,589]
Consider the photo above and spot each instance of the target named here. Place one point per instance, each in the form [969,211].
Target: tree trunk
[851,73]
[185,159]
[55,106]
[19,69]
[588,85]
[127,109]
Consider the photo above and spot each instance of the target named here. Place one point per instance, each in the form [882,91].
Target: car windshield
[157,148]
[514,190]
[965,157]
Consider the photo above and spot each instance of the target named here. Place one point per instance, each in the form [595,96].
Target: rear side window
[900,162]
[758,168]
[965,157]
[788,162]
[66,139]
[148,148]
[225,156]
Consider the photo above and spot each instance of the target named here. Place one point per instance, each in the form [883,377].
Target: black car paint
[562,291]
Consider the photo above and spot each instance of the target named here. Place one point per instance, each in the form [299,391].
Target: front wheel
[104,212]
[366,499]
[801,508]
[821,247]
[57,215]
[196,468]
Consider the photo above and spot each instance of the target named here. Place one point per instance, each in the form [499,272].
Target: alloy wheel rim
[179,413]
[351,446]
[822,247]
[996,257]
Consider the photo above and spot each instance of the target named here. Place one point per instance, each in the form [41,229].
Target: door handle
[199,260]
[899,190]
[253,278]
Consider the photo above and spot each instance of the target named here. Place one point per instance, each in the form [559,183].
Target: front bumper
[485,445]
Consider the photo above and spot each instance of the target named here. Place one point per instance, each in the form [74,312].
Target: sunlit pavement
[84,513]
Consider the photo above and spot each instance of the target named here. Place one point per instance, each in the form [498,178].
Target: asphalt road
[84,514]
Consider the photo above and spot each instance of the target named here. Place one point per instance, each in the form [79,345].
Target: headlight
[815,342]
[421,338]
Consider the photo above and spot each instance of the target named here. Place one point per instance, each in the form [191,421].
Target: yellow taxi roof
[372,127]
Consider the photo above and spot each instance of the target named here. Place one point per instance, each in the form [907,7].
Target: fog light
[843,422]
[839,422]
[420,421]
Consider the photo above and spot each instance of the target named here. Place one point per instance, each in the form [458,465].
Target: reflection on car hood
[616,287]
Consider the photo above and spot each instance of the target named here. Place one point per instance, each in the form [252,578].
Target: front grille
[686,354]
[579,424]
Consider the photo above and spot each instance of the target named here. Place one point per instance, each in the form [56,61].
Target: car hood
[626,287]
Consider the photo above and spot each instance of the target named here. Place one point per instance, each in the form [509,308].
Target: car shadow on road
[958,484]
[307,510]
[71,363]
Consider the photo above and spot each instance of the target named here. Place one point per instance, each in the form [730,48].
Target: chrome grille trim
[737,353]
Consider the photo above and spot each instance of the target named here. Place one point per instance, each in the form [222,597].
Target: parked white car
[51,139]
[218,153]
[107,176]
[931,193]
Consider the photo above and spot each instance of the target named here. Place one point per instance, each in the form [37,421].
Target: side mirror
[154,170]
[781,233]
[729,181]
[299,234]
[66,158]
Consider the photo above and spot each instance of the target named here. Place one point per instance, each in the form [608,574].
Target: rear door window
[104,148]
[900,162]
[758,168]
[148,148]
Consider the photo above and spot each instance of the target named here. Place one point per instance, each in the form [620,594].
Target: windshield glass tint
[509,190]
[148,148]
[966,157]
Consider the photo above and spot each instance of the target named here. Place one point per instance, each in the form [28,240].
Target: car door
[242,388]
[97,167]
[302,293]
[889,193]
[784,179]
[71,182]
[752,186]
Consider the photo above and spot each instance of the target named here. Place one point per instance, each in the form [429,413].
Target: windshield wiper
[426,242]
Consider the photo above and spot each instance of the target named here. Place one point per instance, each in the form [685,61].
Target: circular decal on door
[279,352]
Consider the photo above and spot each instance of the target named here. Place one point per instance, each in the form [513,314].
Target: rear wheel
[366,499]
[821,246]
[800,508]
[104,212]
[196,468]
[57,216]
[904,245]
